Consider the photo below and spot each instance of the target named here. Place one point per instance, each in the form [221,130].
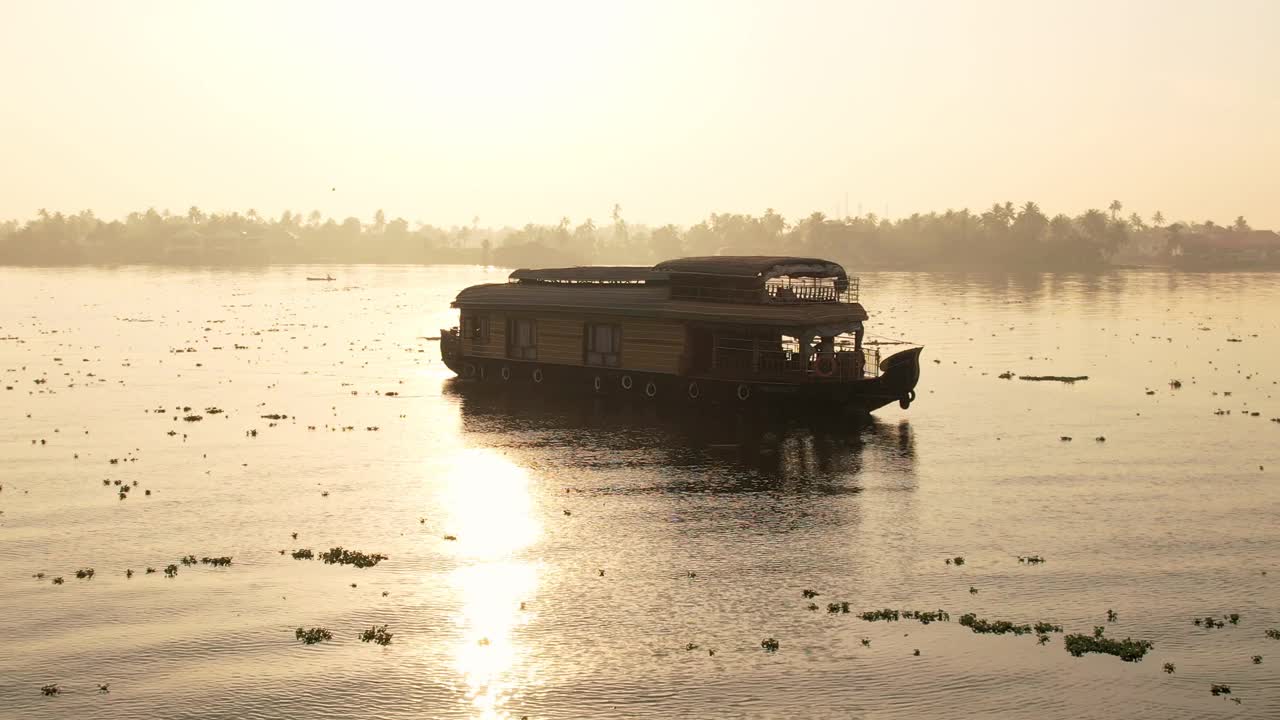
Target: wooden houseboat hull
[896,383]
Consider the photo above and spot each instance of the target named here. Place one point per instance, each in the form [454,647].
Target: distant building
[1226,249]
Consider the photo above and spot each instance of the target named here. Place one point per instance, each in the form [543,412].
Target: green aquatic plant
[193,418]
[1045,628]
[916,652]
[1257,659]
[809,594]
[58,580]
[874,615]
[303,554]
[150,570]
[1169,668]
[171,570]
[223,561]
[1209,622]
[128,573]
[1234,618]
[770,645]
[992,627]
[377,634]
[342,556]
[1217,689]
[84,574]
[188,560]
[313,636]
[812,606]
[838,607]
[955,561]
[1274,634]
[48,690]
[1128,650]
[1042,639]
[1111,615]
[1030,559]
[866,642]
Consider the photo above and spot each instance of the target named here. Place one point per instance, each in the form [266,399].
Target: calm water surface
[596,544]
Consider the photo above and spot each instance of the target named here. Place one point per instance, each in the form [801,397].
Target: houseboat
[742,331]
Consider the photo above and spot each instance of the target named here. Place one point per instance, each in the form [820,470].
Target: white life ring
[598,383]
[506,373]
[651,389]
[537,375]
[744,392]
[694,391]
[468,370]
[626,382]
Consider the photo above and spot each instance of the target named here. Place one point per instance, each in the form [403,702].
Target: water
[1175,516]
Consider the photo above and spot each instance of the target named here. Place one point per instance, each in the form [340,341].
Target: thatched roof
[752,266]
[590,273]
[649,301]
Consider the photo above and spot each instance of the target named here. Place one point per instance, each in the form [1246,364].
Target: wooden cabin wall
[648,345]
[560,340]
[652,345]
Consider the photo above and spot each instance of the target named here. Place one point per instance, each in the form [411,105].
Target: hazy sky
[529,111]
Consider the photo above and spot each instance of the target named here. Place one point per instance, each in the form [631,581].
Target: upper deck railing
[785,291]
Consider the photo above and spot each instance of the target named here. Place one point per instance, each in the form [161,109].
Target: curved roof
[649,301]
[589,273]
[752,266]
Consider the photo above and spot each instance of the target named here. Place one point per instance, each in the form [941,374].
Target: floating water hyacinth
[48,690]
[84,574]
[341,556]
[1128,650]
[313,636]
[1217,689]
[171,570]
[770,645]
[377,634]
[992,627]
[1169,668]
[223,561]
[809,593]
[303,554]
[188,560]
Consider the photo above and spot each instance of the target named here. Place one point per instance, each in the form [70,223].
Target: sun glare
[491,513]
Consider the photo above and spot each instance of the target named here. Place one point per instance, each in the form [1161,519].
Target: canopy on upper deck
[753,266]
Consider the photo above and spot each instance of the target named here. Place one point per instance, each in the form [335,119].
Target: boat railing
[770,360]
[777,291]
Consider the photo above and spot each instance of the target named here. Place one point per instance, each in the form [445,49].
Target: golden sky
[529,111]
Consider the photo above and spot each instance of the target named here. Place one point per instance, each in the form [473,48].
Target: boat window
[604,344]
[475,327]
[522,339]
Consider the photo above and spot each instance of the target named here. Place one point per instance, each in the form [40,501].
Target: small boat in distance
[327,277]
[740,331]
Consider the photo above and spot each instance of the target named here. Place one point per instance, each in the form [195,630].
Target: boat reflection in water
[709,448]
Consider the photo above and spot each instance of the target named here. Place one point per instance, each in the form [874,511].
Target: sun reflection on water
[490,509]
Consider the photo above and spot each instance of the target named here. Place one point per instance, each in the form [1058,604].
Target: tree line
[1003,236]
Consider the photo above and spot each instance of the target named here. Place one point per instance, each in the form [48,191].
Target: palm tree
[1115,207]
[1157,219]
